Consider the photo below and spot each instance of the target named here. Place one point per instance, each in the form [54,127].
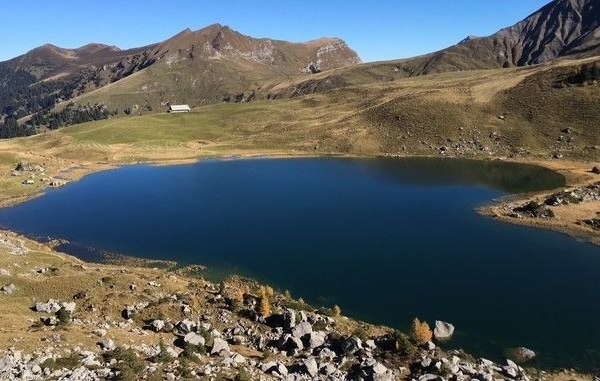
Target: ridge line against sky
[377,30]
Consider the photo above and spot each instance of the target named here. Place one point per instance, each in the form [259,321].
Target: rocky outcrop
[533,210]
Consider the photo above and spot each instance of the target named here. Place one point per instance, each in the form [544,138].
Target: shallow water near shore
[387,240]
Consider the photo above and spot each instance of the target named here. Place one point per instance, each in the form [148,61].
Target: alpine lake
[385,239]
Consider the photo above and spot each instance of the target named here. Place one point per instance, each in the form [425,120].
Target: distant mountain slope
[200,66]
[562,28]
[218,64]
[559,29]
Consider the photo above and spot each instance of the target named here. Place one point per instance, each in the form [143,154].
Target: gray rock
[374,370]
[327,369]
[302,329]
[430,377]
[51,307]
[288,342]
[69,306]
[219,347]
[91,361]
[186,326]
[326,354]
[510,372]
[238,359]
[370,344]
[303,316]
[352,345]
[267,366]
[426,362]
[289,319]
[194,339]
[282,369]
[9,289]
[49,321]
[525,353]
[100,332]
[128,312]
[512,364]
[157,325]
[108,344]
[443,330]
[316,339]
[310,366]
[168,328]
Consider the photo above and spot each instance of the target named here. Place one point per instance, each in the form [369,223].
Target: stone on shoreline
[443,330]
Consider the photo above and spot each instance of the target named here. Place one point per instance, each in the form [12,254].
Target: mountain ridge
[48,75]
[217,63]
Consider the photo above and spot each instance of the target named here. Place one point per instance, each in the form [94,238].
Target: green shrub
[163,356]
[243,375]
[190,350]
[70,362]
[208,339]
[403,344]
[361,333]
[129,366]
[63,316]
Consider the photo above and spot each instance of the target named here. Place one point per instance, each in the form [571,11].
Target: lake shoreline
[567,218]
[576,176]
[576,173]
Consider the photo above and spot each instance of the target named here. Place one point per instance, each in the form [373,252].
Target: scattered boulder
[535,210]
[443,330]
[157,325]
[302,329]
[69,306]
[287,342]
[128,312]
[594,223]
[352,345]
[374,370]
[108,344]
[50,307]
[9,289]
[100,332]
[525,354]
[220,347]
[289,319]
[310,367]
[316,339]
[596,170]
[194,339]
[186,326]
[23,166]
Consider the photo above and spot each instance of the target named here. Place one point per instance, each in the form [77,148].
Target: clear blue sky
[376,29]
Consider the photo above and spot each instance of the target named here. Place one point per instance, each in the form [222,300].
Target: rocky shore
[67,320]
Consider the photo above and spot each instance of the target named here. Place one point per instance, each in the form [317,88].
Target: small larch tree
[337,311]
[420,332]
[265,304]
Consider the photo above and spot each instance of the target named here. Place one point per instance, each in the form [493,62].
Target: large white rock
[194,339]
[157,325]
[220,346]
[443,330]
[302,329]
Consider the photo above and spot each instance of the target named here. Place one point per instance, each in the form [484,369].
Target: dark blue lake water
[387,240]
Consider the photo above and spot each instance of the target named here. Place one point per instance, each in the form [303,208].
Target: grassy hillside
[518,112]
